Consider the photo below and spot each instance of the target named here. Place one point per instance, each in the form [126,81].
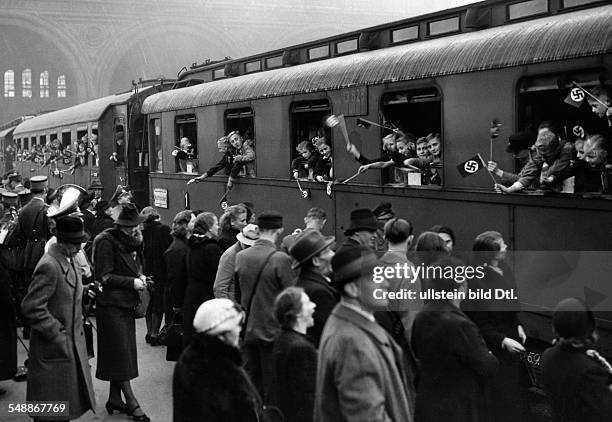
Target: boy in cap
[262,272]
[360,373]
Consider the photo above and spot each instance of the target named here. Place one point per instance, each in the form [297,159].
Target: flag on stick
[575,97]
[364,123]
[470,166]
[343,129]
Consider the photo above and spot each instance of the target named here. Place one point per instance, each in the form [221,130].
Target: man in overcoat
[262,272]
[58,365]
[360,374]
[313,254]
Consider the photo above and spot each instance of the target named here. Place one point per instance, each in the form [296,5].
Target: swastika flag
[575,97]
[470,166]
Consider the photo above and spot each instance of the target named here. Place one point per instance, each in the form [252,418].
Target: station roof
[569,35]
[90,111]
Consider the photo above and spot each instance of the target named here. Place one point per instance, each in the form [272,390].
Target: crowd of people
[275,326]
[53,152]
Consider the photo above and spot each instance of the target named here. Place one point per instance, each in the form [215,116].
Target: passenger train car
[451,72]
[106,139]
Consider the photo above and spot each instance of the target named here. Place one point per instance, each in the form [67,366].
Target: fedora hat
[362,219]
[129,216]
[308,244]
[70,229]
[352,262]
[68,204]
[249,234]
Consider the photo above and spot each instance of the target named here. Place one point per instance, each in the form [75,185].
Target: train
[450,72]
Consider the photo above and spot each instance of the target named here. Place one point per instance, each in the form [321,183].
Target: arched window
[26,83]
[44,84]
[61,86]
[9,83]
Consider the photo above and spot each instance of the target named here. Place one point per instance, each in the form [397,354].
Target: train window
[82,144]
[186,146]
[576,3]
[119,142]
[348,46]
[241,120]
[547,98]
[273,62]
[316,53]
[527,8]
[66,139]
[42,140]
[252,66]
[405,34]
[443,26]
[219,73]
[157,157]
[418,114]
[308,128]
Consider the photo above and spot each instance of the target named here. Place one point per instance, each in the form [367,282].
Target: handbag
[144,297]
[173,338]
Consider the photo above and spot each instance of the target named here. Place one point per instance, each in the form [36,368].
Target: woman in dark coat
[103,220]
[576,379]
[295,356]
[117,254]
[209,381]
[202,263]
[231,223]
[8,329]
[175,258]
[155,239]
[499,326]
[454,358]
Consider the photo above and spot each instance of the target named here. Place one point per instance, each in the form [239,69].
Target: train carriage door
[546,98]
[241,120]
[186,144]
[138,164]
[308,126]
[418,114]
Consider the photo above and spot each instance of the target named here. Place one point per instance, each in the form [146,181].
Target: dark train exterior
[104,120]
[450,72]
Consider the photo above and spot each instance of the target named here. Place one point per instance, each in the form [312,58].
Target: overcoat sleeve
[34,304]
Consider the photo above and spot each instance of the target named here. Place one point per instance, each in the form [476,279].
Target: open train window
[550,98]
[418,114]
[66,137]
[241,119]
[119,141]
[157,157]
[309,132]
[186,144]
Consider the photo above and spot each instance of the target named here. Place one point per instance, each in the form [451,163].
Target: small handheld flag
[470,166]
[575,97]
[364,123]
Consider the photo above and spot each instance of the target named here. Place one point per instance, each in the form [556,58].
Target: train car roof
[577,34]
[81,113]
[5,132]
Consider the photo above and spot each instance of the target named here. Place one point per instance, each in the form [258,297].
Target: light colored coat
[360,374]
[58,368]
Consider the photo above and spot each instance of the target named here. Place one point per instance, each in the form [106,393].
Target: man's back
[360,374]
[276,274]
